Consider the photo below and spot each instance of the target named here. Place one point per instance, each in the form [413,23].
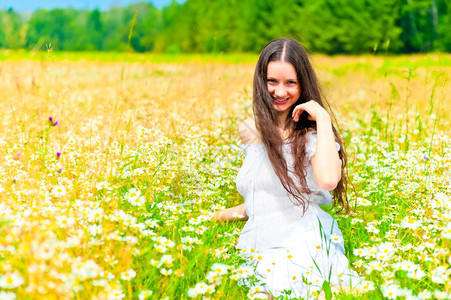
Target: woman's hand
[237,213]
[315,111]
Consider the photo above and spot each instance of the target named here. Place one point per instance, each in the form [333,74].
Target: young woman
[294,157]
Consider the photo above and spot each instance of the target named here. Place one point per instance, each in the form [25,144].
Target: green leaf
[327,290]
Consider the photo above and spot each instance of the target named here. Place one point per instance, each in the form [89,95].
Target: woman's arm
[237,213]
[249,135]
[326,161]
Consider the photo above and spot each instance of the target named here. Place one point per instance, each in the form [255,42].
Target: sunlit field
[112,165]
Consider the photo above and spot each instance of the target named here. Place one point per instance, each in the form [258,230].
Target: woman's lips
[280,102]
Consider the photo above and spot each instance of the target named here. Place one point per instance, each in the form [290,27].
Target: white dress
[294,251]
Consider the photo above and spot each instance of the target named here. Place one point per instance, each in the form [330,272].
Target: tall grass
[146,154]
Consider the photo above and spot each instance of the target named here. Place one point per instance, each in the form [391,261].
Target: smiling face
[283,85]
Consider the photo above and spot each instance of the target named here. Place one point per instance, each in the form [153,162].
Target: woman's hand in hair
[315,111]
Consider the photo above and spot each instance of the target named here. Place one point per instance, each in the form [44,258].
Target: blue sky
[32,5]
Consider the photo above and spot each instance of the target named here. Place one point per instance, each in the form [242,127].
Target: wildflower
[440,275]
[134,197]
[100,282]
[236,215]
[367,285]
[410,222]
[371,228]
[44,251]
[234,277]
[103,185]
[408,266]
[385,251]
[166,260]
[144,294]
[355,220]
[153,262]
[406,247]
[192,293]
[358,263]
[315,293]
[128,275]
[221,269]
[95,229]
[425,294]
[116,294]
[363,202]
[85,270]
[257,292]
[336,238]
[199,289]
[441,295]
[151,223]
[387,275]
[95,214]
[53,122]
[244,272]
[446,233]
[361,252]
[373,265]
[210,289]
[166,272]
[11,281]
[7,295]
[391,291]
[160,248]
[417,274]
[58,191]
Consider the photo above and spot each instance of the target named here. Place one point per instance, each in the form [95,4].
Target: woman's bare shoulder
[248,132]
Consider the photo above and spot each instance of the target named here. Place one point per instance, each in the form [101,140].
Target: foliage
[328,26]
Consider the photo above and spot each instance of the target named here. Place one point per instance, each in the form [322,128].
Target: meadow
[112,165]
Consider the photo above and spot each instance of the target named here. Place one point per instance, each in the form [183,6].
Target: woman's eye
[291,82]
[271,81]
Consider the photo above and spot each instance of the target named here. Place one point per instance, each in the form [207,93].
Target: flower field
[111,168]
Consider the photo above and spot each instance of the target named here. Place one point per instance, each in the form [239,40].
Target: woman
[294,157]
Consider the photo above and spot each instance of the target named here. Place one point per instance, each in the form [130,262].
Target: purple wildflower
[53,123]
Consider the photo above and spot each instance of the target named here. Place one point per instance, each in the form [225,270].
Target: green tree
[352,26]
[11,30]
[56,27]
[94,30]
[443,26]
[329,26]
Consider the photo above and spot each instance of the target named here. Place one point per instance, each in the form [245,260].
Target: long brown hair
[267,123]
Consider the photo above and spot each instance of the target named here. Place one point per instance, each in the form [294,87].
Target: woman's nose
[280,91]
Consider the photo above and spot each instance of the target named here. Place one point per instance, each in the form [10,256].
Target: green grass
[128,57]
[114,130]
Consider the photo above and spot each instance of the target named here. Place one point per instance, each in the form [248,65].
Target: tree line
[328,26]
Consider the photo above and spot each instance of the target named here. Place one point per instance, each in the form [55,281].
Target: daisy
[58,191]
[11,281]
[128,275]
[144,294]
[166,272]
[221,269]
